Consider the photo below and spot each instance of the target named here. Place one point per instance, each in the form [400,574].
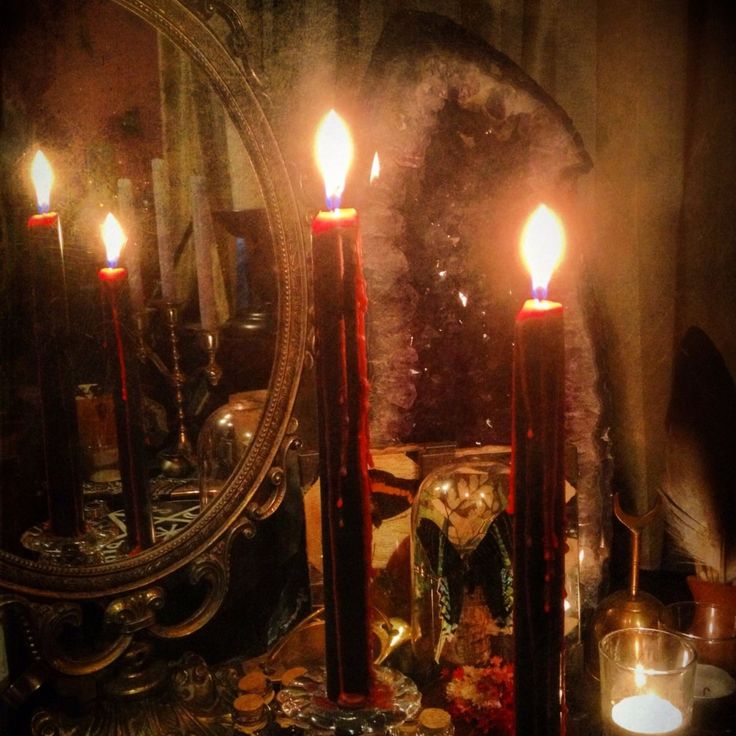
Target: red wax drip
[538,507]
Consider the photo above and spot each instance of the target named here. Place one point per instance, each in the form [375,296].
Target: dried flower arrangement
[482,697]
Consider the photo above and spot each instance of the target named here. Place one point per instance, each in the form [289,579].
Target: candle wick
[540,293]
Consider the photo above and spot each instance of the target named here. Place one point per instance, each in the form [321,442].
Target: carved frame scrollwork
[47,624]
[257,486]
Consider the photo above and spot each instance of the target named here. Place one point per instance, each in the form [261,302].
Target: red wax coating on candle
[342,394]
[113,274]
[128,415]
[55,375]
[538,505]
[46,219]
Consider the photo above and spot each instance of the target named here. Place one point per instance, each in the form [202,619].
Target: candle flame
[43,177]
[542,246]
[114,239]
[334,153]
[375,167]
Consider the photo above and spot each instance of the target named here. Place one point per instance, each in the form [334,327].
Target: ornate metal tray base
[305,701]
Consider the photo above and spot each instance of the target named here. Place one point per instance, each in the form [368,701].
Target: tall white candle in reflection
[646,714]
[204,244]
[162,203]
[133,253]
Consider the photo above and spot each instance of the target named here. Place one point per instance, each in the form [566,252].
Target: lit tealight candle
[647,714]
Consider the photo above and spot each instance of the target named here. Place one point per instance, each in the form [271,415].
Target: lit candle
[537,482]
[127,396]
[204,243]
[51,328]
[133,246]
[342,392]
[162,203]
[647,713]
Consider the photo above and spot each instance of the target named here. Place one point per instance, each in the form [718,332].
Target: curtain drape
[194,144]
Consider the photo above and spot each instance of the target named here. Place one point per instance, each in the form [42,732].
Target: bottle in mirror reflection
[97,434]
[225,438]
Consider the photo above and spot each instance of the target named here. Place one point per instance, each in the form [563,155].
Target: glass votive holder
[647,679]
[711,629]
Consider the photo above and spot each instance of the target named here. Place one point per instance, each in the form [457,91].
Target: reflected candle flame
[114,239]
[334,153]
[640,678]
[542,246]
[43,178]
[375,168]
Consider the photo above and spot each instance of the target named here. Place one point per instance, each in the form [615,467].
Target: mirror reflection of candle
[51,333]
[538,486]
[342,389]
[375,168]
[43,179]
[114,239]
[127,394]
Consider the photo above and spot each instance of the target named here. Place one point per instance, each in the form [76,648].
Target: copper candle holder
[630,608]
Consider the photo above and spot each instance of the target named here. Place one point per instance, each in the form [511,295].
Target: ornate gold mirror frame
[213,34]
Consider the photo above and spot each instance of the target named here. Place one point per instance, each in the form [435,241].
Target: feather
[699,485]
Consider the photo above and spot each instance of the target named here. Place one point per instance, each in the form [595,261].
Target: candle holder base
[86,549]
[305,701]
[178,462]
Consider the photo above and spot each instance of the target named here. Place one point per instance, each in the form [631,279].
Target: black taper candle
[342,394]
[128,413]
[538,505]
[55,376]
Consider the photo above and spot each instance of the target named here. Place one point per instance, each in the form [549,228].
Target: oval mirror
[145,109]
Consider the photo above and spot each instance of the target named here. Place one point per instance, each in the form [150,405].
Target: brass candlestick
[179,460]
[630,608]
[212,370]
